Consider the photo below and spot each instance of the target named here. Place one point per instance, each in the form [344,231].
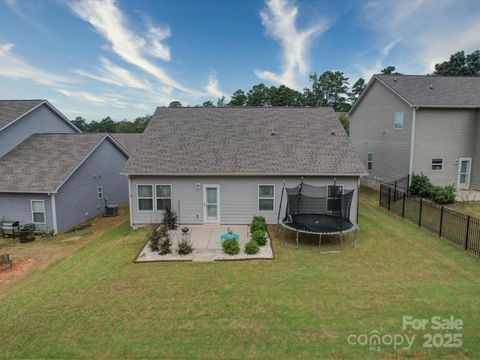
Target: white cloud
[116,75]
[279,20]
[14,67]
[425,32]
[379,65]
[85,96]
[108,20]
[213,88]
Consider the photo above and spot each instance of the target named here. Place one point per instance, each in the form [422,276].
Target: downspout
[54,214]
[130,201]
[412,143]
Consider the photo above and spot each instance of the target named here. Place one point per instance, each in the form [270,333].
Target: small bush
[259,237]
[258,224]
[260,219]
[170,219]
[231,246]
[251,247]
[443,195]
[156,234]
[184,246]
[421,186]
[165,245]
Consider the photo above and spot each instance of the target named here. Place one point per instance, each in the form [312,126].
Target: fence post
[380,197]
[395,191]
[420,213]
[468,230]
[389,196]
[408,184]
[441,222]
[403,205]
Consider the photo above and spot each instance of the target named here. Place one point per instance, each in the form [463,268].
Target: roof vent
[273,132]
[333,132]
[395,79]
[431,86]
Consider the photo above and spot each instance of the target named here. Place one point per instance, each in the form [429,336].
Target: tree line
[331,88]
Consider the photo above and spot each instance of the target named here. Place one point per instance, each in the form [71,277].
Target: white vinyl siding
[145,197]
[266,197]
[38,212]
[399,120]
[437,164]
[163,196]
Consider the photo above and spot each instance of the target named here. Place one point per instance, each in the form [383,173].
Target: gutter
[54,214]
[412,142]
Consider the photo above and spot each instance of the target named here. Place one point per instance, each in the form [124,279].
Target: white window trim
[99,191]
[152,197]
[369,161]
[44,212]
[328,197]
[431,164]
[265,198]
[159,197]
[395,118]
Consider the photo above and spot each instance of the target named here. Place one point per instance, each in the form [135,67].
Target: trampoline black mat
[318,223]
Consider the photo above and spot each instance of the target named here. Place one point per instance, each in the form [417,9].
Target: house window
[100,192]
[145,197]
[266,197]
[164,197]
[398,121]
[437,164]
[370,161]
[334,200]
[38,211]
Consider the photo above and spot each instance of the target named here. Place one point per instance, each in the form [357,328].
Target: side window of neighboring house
[369,161]
[38,211]
[437,164]
[100,192]
[398,120]
[145,197]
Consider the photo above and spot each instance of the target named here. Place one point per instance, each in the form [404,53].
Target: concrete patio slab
[206,245]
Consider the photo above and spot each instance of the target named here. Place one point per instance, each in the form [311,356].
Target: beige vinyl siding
[238,197]
[475,179]
[444,133]
[372,131]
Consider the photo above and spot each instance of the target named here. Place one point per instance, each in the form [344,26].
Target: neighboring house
[225,165]
[21,118]
[404,124]
[59,180]
[128,140]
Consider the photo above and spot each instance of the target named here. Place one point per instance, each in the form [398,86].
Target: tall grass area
[98,304]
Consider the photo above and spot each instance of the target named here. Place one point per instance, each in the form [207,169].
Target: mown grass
[98,304]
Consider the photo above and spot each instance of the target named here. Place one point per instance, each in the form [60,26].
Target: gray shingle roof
[435,91]
[239,141]
[127,140]
[43,161]
[10,110]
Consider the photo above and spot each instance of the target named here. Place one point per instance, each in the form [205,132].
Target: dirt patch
[20,267]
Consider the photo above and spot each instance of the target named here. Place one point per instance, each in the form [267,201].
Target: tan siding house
[440,114]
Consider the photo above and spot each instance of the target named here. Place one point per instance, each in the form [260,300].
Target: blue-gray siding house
[58,180]
[21,118]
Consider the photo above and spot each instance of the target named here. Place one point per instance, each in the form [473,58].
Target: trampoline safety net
[318,209]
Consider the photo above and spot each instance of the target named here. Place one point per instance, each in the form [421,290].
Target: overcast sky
[95,58]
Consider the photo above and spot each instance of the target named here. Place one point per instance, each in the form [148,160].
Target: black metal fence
[459,229]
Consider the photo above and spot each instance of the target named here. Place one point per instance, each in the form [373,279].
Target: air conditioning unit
[111,210]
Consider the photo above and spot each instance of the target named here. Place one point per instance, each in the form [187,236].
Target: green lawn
[98,303]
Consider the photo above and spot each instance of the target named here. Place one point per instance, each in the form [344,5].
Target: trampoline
[321,210]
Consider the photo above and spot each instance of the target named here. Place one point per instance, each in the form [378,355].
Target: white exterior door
[211,204]
[464,167]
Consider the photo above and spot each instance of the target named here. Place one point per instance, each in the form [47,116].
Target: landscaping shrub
[155,238]
[443,194]
[258,223]
[252,247]
[259,237]
[165,245]
[170,219]
[421,186]
[184,246]
[231,246]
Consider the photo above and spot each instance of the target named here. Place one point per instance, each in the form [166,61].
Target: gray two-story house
[404,124]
